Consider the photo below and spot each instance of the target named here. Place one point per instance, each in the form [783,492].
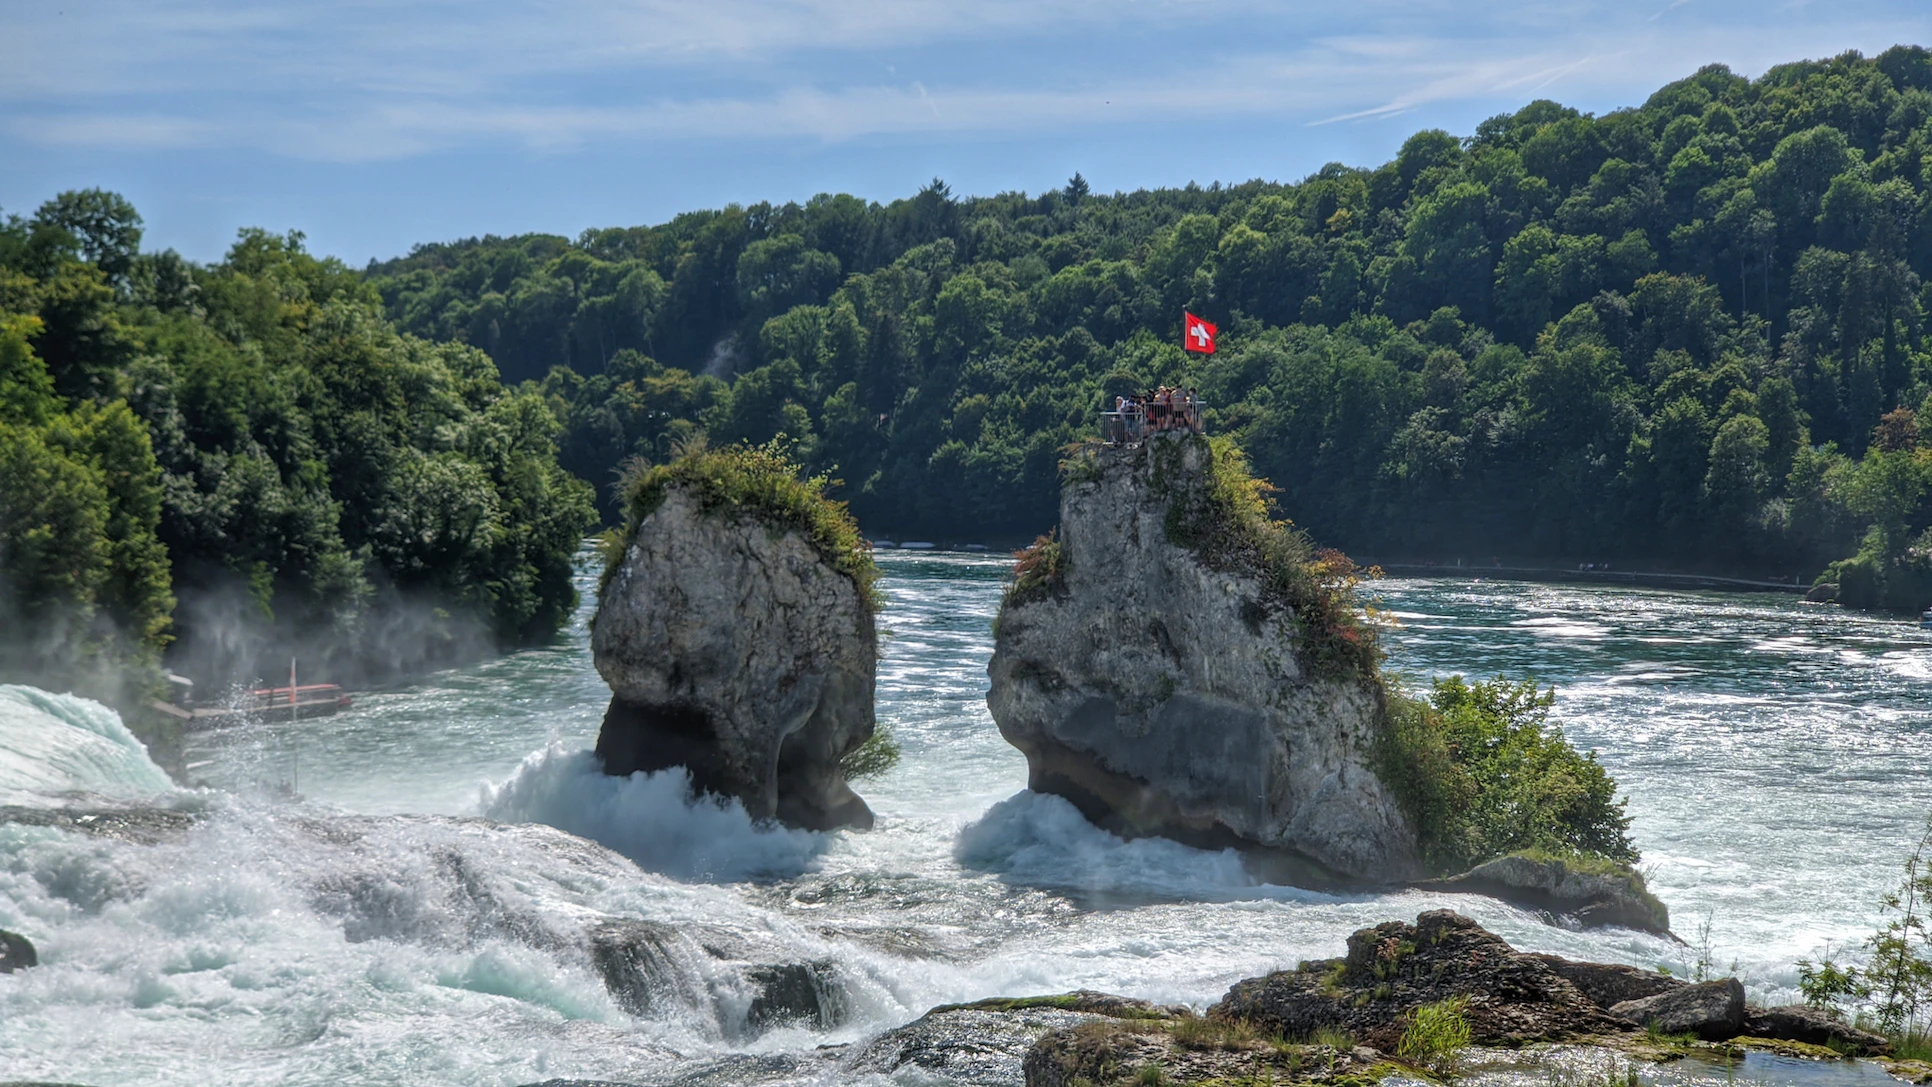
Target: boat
[308,700]
[294,701]
[1925,619]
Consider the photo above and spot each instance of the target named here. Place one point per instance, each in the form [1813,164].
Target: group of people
[1168,408]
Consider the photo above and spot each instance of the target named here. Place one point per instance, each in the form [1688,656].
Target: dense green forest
[1666,334]
[239,462]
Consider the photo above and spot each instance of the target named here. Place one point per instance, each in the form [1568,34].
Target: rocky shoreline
[1339,1022]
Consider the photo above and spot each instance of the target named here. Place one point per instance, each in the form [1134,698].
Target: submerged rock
[733,648]
[1164,695]
[1591,898]
[650,967]
[1712,1010]
[16,952]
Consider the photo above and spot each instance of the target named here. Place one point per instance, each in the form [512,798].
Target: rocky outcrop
[1585,897]
[1712,1010]
[1164,696]
[1797,1023]
[1394,968]
[989,1043]
[735,650]
[650,967]
[16,953]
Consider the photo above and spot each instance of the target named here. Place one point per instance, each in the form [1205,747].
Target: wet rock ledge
[736,632]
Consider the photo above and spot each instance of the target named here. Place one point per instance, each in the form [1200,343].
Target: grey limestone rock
[1164,697]
[1712,1010]
[738,652]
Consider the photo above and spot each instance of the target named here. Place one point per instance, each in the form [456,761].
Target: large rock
[16,952]
[1166,697]
[1394,968]
[1797,1023]
[987,1044]
[736,650]
[1610,984]
[1591,898]
[1712,1010]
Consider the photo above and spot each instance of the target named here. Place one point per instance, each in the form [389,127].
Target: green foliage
[1900,968]
[879,753]
[1830,987]
[1482,773]
[244,461]
[761,482]
[84,588]
[1436,1036]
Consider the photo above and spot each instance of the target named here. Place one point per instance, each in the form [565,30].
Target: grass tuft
[1436,1036]
[1039,570]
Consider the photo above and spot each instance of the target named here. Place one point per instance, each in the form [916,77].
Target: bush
[879,753]
[1038,570]
[758,481]
[1481,773]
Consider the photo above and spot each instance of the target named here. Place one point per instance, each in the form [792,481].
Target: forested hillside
[244,461]
[1664,334]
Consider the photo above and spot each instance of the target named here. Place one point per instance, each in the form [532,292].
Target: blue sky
[373,125]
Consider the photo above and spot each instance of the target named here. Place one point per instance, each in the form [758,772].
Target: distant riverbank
[1596,574]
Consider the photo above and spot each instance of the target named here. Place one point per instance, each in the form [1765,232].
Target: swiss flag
[1199,335]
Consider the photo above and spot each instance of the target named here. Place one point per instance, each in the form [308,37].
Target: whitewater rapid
[420,916]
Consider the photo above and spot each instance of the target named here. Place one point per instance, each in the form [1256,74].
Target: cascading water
[377,932]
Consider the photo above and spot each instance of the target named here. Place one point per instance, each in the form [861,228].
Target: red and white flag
[1198,335]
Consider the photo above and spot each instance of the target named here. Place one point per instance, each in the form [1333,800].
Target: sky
[374,125]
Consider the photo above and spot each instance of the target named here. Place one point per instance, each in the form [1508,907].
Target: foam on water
[60,743]
[1044,841]
[651,818]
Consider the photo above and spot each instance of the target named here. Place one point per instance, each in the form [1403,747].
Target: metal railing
[1133,425]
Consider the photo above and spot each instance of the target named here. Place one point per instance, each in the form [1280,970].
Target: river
[1774,756]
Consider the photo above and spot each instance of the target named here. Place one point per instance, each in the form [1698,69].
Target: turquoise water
[1773,754]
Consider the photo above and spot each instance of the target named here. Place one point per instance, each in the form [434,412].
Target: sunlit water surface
[1773,754]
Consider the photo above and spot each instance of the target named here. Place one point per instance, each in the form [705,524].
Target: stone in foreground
[1163,696]
[1394,968]
[735,650]
[1712,1010]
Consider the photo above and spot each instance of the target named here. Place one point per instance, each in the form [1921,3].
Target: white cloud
[360,80]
